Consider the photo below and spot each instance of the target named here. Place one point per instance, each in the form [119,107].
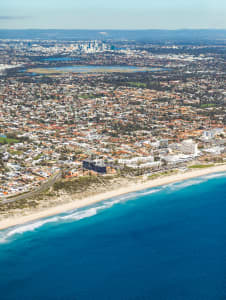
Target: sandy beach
[39,214]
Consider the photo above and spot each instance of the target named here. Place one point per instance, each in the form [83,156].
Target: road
[45,186]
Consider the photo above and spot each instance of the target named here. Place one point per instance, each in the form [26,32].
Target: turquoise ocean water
[164,243]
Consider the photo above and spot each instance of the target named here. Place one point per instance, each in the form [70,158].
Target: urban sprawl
[54,120]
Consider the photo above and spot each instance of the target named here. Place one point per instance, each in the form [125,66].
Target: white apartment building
[189,147]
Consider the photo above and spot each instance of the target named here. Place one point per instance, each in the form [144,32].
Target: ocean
[164,243]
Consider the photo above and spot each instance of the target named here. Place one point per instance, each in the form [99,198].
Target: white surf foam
[78,215]
[194,181]
[215,175]
[134,195]
[109,203]
[29,227]
[74,215]
[184,184]
[149,192]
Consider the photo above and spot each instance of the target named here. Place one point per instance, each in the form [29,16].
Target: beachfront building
[189,147]
[136,161]
[214,150]
[173,160]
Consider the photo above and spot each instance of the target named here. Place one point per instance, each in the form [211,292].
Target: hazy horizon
[161,35]
[82,14]
[119,29]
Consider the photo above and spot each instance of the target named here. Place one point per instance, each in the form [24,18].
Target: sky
[112,14]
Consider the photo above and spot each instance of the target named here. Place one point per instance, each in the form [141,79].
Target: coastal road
[45,186]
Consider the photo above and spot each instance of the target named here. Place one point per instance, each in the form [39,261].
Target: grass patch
[156,175]
[16,152]
[4,140]
[207,105]
[137,84]
[38,156]
[153,176]
[201,166]
[89,96]
[81,183]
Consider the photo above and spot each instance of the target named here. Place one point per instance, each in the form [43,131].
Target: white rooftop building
[136,160]
[215,150]
[210,134]
[176,159]
[189,147]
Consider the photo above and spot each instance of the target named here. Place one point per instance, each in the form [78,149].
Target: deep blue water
[163,243]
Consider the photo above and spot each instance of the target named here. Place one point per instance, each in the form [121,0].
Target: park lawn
[200,166]
[4,140]
[137,84]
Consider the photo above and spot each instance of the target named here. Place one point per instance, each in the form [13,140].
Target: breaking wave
[184,184]
[193,181]
[70,216]
[82,213]
[211,176]
[73,215]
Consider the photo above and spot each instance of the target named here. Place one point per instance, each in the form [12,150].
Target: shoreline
[19,220]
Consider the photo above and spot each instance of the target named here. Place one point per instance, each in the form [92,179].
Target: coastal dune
[39,214]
